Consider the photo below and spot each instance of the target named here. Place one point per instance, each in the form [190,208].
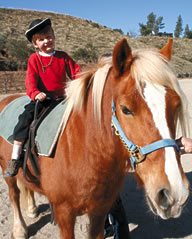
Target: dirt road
[142,223]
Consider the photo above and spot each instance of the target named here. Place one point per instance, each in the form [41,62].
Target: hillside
[73,33]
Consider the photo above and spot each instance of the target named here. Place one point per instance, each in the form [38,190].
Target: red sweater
[53,80]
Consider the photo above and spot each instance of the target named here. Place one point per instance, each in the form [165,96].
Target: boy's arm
[32,79]
[72,68]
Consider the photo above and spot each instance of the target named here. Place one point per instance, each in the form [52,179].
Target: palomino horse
[133,99]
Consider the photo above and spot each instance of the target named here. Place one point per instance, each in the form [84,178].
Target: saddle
[43,133]
[31,151]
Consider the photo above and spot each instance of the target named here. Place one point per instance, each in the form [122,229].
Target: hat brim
[30,32]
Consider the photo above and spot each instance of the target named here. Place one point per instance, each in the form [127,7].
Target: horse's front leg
[19,227]
[65,219]
[27,200]
[96,229]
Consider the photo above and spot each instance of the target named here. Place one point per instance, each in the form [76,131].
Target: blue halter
[138,154]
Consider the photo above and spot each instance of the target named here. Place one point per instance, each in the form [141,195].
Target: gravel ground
[142,223]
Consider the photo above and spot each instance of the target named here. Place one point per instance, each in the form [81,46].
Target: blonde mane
[151,66]
[148,65]
[76,90]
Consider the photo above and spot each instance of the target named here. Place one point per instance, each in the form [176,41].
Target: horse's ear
[122,57]
[167,49]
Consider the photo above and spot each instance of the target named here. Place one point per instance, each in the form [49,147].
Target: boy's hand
[41,96]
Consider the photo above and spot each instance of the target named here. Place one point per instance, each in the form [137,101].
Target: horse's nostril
[164,199]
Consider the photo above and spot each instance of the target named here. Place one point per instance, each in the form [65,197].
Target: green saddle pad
[48,131]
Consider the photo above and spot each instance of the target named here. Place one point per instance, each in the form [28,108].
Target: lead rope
[28,154]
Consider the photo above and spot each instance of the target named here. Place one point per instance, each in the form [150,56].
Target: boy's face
[45,42]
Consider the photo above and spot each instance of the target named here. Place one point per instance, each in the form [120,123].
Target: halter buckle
[137,154]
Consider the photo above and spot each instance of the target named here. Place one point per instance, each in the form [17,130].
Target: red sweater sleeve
[32,77]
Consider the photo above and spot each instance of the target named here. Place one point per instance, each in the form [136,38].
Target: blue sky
[122,14]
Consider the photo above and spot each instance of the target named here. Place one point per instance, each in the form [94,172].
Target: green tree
[179,27]
[153,24]
[158,24]
[187,32]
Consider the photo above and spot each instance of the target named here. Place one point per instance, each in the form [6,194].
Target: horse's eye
[125,110]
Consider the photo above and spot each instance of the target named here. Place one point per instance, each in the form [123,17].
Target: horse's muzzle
[165,205]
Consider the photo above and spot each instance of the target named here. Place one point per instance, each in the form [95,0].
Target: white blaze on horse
[120,113]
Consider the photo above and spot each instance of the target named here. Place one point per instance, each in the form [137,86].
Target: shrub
[118,30]
[2,41]
[87,54]
[19,50]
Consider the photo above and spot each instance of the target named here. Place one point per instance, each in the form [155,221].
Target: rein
[138,154]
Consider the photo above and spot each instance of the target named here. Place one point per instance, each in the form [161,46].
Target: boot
[12,168]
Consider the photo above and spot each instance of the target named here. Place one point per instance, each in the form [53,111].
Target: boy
[45,78]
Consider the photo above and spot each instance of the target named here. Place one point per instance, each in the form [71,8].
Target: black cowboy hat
[36,26]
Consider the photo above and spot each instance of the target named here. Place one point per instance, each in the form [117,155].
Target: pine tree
[178,29]
[153,25]
[158,24]
[186,32]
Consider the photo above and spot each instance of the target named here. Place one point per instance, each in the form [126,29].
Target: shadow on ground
[44,217]
[149,226]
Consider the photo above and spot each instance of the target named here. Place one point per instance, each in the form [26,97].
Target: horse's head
[148,102]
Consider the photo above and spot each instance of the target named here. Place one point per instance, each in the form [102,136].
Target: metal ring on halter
[139,157]
[136,153]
